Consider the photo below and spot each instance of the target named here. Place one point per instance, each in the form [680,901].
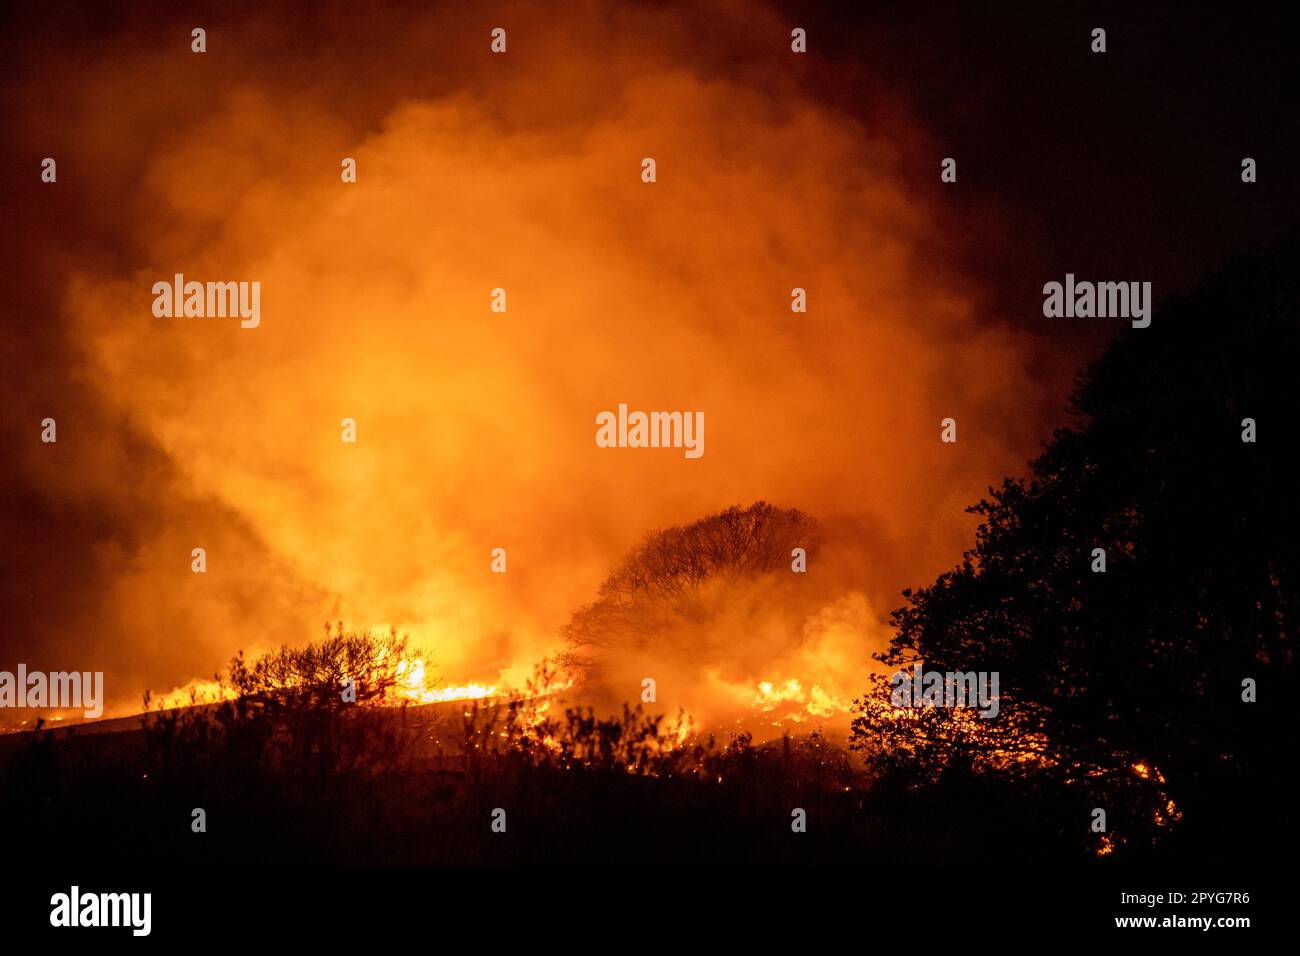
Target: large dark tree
[1126,687]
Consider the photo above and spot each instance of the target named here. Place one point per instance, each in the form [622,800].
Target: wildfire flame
[779,702]
[814,702]
[413,686]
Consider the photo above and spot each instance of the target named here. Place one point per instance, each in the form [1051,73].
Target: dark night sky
[1120,164]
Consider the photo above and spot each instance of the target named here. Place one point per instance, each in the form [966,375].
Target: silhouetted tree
[1133,678]
[656,578]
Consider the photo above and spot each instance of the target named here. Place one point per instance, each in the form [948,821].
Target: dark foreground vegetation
[297,776]
[290,773]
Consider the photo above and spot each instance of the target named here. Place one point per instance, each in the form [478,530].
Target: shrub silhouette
[288,709]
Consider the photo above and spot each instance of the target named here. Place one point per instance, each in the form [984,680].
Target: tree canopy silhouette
[1135,675]
[657,578]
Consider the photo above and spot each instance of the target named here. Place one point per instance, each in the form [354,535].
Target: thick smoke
[475,429]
